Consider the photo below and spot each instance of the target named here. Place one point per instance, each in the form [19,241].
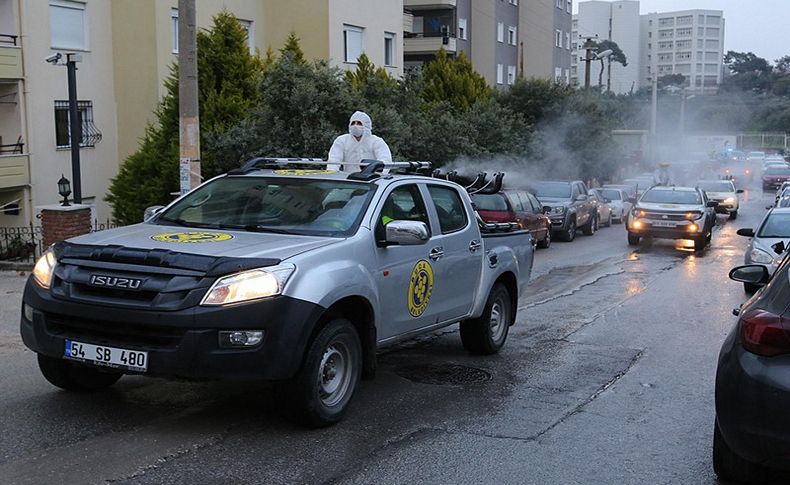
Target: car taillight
[763,333]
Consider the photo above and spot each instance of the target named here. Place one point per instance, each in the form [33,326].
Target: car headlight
[44,269]
[249,285]
[559,210]
[760,256]
[729,200]
[694,215]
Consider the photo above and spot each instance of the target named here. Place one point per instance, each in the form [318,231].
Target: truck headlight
[559,210]
[729,200]
[44,268]
[249,285]
[760,256]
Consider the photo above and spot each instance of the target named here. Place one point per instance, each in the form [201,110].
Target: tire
[732,468]
[700,243]
[590,228]
[609,220]
[487,334]
[569,234]
[733,215]
[546,242]
[72,376]
[750,288]
[319,394]
[633,239]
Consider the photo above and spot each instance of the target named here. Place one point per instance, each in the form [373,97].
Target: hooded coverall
[347,150]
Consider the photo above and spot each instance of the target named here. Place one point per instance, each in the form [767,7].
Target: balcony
[428,4]
[10,57]
[417,44]
[14,171]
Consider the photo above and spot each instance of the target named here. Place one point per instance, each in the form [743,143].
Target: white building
[688,42]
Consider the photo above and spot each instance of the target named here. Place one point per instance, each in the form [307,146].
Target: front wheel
[592,226]
[486,334]
[633,239]
[700,243]
[546,242]
[608,220]
[72,376]
[733,215]
[319,394]
[570,233]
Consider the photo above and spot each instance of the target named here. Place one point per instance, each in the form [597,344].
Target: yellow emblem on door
[420,288]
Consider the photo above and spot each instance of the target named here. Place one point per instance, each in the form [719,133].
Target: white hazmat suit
[347,150]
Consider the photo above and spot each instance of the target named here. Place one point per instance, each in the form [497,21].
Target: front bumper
[725,207]
[752,399]
[559,222]
[182,343]
[647,228]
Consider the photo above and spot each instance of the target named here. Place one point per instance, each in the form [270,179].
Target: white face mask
[356,130]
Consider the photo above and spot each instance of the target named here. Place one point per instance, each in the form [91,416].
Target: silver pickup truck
[272,272]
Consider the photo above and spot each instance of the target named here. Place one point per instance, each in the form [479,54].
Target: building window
[174,30]
[567,76]
[499,74]
[389,49]
[513,2]
[500,32]
[557,74]
[90,135]
[511,74]
[352,43]
[462,29]
[568,6]
[712,32]
[248,28]
[557,38]
[559,4]
[67,25]
[568,40]
[714,20]
[511,35]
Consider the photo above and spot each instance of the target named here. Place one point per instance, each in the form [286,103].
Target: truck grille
[114,333]
[664,216]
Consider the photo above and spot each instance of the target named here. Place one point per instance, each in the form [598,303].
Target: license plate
[106,356]
[664,224]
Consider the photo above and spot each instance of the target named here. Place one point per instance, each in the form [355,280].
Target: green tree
[227,92]
[617,56]
[453,80]
[743,62]
[671,80]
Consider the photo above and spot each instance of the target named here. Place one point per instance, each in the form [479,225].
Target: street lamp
[64,189]
[75,128]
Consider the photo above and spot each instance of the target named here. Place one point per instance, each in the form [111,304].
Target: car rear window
[610,194]
[490,202]
[671,197]
[716,186]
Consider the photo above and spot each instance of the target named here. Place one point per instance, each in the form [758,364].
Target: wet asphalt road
[606,378]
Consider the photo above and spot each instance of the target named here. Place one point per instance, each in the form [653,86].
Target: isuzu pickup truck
[277,272]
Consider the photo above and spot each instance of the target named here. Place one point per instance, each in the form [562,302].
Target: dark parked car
[774,175]
[571,207]
[510,205]
[752,429]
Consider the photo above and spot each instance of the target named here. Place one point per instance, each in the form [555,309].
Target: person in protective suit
[358,144]
[662,174]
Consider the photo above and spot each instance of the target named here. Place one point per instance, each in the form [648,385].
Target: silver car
[618,201]
[774,228]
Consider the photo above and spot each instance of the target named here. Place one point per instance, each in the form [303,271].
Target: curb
[15,266]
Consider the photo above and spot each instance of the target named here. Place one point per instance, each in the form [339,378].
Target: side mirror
[546,209]
[580,198]
[712,203]
[746,231]
[755,274]
[406,233]
[739,191]
[152,211]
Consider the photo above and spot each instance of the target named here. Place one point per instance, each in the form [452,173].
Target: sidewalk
[12,283]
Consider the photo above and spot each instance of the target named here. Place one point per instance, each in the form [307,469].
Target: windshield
[715,186]
[777,170]
[490,202]
[610,194]
[671,197]
[775,225]
[274,204]
[559,190]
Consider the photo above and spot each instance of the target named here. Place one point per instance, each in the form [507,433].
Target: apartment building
[126,48]
[689,42]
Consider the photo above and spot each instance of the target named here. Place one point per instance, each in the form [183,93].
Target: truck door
[405,275]
[458,267]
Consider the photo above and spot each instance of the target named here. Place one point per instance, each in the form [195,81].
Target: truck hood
[669,207]
[553,201]
[213,242]
[721,195]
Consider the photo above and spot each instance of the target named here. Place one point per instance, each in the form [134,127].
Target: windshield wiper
[177,221]
[273,230]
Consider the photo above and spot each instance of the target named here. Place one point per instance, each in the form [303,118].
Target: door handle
[474,245]
[436,253]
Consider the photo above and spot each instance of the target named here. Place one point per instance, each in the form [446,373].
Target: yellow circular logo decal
[304,172]
[192,237]
[420,288]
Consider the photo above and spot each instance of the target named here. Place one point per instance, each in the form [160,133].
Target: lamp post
[653,115]
[75,127]
[64,189]
[683,99]
[589,46]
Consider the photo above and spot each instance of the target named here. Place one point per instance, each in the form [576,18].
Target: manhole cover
[443,374]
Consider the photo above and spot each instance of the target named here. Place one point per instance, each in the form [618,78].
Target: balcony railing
[14,171]
[428,43]
[10,57]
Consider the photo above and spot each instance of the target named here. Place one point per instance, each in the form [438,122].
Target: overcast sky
[758,26]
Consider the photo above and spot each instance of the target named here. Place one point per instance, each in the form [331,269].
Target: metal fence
[26,243]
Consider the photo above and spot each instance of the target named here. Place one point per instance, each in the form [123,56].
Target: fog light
[27,312]
[637,224]
[693,227]
[240,338]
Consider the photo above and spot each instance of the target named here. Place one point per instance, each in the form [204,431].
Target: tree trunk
[600,75]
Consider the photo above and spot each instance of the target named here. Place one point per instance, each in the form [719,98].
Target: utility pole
[188,120]
[653,115]
[589,47]
[75,127]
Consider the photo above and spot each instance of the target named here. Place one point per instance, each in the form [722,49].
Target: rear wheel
[633,239]
[72,376]
[592,226]
[570,233]
[486,334]
[731,467]
[546,242]
[319,394]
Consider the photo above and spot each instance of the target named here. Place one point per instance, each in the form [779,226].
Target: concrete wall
[536,35]
[626,33]
[307,18]
[483,39]
[378,17]
[504,52]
